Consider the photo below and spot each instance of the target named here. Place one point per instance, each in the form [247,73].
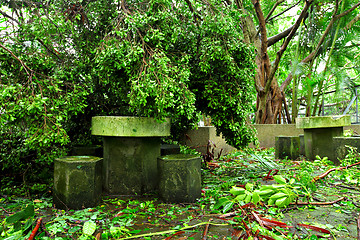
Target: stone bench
[131,148]
[179,178]
[77,182]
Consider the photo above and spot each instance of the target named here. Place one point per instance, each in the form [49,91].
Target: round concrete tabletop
[323,121]
[129,126]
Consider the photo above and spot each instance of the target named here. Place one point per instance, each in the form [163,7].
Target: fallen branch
[318,203]
[318,229]
[343,186]
[333,169]
[230,214]
[33,233]
[174,230]
[175,234]
[206,230]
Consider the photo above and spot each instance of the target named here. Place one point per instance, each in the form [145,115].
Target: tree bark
[270,95]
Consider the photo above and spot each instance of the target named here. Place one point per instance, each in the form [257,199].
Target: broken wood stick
[318,203]
[36,228]
[333,169]
[206,230]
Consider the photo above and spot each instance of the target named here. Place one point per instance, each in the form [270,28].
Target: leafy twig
[21,62]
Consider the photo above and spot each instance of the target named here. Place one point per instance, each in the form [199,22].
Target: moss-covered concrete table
[131,149]
[319,133]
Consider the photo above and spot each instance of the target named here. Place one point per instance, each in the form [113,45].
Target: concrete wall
[199,138]
[266,133]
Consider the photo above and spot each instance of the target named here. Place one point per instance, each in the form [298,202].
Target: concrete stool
[77,182]
[180,178]
[287,146]
[340,144]
[131,149]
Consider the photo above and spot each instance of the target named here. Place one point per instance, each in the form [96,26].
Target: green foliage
[18,224]
[65,63]
[280,195]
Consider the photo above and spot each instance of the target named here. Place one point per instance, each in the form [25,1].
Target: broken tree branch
[318,203]
[333,169]
[34,232]
[206,230]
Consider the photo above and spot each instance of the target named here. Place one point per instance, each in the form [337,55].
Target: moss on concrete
[287,146]
[129,126]
[342,144]
[323,122]
[77,182]
[180,178]
[319,141]
[130,164]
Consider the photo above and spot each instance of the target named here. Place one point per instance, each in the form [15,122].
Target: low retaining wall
[266,133]
[199,138]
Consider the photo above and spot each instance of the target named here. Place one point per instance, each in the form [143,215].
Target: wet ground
[334,216]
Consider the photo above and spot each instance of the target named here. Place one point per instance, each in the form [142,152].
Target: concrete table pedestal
[319,133]
[77,182]
[180,178]
[131,149]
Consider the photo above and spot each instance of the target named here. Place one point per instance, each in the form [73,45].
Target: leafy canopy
[63,63]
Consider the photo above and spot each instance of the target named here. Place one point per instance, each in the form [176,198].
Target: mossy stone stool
[342,145]
[180,177]
[77,182]
[131,149]
[287,146]
[319,133]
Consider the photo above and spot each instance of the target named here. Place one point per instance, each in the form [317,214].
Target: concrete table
[319,133]
[131,149]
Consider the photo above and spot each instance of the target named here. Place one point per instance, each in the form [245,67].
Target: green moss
[323,122]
